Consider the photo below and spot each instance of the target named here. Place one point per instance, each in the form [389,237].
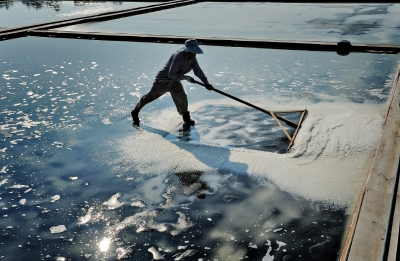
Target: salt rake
[277,118]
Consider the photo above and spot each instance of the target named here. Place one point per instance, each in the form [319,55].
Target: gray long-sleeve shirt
[176,67]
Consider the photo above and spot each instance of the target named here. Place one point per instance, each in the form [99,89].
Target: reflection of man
[168,80]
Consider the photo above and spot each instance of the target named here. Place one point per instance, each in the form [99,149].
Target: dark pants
[160,88]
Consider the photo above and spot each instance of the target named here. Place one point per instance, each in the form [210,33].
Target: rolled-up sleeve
[199,72]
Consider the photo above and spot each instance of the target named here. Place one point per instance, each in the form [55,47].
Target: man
[168,80]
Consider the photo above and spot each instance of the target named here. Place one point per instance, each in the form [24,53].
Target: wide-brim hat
[192,46]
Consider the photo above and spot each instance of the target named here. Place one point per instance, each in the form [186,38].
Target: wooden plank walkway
[374,233]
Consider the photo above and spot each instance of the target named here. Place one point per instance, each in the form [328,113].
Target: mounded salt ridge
[328,162]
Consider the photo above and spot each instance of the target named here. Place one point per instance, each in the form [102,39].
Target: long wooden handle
[288,122]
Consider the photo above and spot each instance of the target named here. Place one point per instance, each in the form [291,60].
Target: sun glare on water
[104,244]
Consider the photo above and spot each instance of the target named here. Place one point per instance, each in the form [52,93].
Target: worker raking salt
[169,80]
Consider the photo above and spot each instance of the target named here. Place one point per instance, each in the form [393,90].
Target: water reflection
[38,4]
[358,23]
[6,4]
[24,13]
[70,157]
[239,218]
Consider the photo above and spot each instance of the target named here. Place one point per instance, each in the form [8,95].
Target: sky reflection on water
[20,13]
[70,156]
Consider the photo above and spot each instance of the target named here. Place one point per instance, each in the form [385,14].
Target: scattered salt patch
[209,219]
[278,229]
[252,246]
[58,144]
[280,244]
[93,215]
[187,253]
[18,186]
[156,254]
[106,121]
[4,181]
[14,142]
[73,178]
[86,12]
[55,198]
[113,202]
[182,247]
[58,229]
[268,256]
[22,201]
[124,252]
[2,150]
[138,203]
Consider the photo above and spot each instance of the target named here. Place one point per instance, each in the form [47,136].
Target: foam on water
[331,155]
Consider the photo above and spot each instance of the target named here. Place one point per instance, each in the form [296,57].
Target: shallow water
[20,13]
[358,23]
[70,157]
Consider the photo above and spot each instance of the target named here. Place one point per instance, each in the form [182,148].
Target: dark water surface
[77,182]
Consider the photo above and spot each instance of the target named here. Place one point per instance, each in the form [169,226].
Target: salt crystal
[156,254]
[58,229]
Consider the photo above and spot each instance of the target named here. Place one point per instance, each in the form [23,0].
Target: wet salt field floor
[78,182]
[20,13]
[357,23]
